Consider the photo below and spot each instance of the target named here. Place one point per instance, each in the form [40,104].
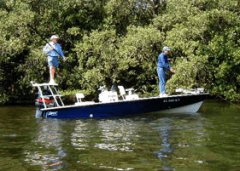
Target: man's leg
[162,81]
[53,64]
[159,85]
[52,70]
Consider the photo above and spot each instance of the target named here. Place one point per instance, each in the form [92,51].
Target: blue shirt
[163,61]
[56,46]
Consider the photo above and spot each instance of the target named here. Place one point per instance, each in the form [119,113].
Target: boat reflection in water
[130,143]
[38,112]
[90,142]
[48,151]
[167,148]
[117,135]
[102,138]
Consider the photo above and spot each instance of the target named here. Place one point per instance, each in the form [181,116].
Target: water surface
[204,141]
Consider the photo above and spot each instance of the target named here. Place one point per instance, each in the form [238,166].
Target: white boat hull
[192,108]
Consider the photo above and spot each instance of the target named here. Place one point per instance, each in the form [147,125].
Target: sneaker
[52,82]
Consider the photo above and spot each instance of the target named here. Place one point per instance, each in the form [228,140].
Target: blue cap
[165,48]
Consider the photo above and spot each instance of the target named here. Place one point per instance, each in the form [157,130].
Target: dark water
[204,141]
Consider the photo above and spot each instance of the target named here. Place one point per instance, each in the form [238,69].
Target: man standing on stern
[161,70]
[53,50]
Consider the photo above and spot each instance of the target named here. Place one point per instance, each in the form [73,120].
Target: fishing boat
[51,105]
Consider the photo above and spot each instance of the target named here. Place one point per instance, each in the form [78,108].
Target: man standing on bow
[53,50]
[162,67]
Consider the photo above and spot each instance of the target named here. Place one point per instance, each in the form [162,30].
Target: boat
[51,105]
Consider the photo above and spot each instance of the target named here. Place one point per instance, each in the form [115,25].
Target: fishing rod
[36,31]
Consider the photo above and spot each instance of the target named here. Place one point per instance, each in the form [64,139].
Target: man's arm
[164,63]
[46,48]
[61,52]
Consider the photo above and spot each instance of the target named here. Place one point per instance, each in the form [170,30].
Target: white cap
[165,48]
[54,37]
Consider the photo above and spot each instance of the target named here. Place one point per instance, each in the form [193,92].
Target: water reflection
[104,135]
[38,112]
[79,138]
[155,142]
[111,139]
[117,135]
[113,135]
[165,135]
[205,141]
[48,151]
[178,135]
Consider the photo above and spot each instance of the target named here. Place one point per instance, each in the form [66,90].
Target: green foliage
[105,58]
[118,41]
[21,58]
[205,47]
[69,95]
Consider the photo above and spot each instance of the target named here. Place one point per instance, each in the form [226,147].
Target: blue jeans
[162,81]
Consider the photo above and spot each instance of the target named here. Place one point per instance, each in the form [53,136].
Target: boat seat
[122,91]
[129,90]
[130,96]
[79,97]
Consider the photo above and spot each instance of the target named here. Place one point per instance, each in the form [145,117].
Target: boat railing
[56,96]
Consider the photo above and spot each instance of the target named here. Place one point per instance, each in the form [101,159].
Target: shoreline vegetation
[117,42]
